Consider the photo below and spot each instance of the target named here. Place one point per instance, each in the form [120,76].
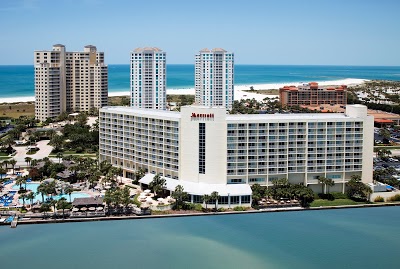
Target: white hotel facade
[205,150]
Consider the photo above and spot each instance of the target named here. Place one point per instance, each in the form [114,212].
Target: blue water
[352,238]
[19,80]
[33,187]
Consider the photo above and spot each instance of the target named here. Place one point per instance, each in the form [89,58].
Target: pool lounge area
[38,196]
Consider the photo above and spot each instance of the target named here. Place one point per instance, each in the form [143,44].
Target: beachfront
[239,90]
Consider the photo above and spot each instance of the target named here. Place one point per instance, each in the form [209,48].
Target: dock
[14,223]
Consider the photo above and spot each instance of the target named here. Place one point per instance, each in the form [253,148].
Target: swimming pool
[38,197]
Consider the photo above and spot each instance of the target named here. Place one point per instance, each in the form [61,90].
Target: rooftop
[87,201]
[153,49]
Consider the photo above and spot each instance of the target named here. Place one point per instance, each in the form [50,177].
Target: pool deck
[270,210]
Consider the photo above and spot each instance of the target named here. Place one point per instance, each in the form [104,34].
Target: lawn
[336,202]
[15,110]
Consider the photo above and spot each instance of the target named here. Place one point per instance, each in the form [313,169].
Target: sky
[283,32]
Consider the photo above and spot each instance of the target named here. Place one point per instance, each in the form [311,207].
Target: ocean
[18,80]
[348,238]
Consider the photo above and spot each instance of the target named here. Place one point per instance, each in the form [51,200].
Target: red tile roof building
[312,94]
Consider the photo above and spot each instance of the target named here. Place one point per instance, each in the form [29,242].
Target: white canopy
[202,188]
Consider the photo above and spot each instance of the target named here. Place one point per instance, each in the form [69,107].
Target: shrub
[221,209]
[198,207]
[395,198]
[339,195]
[79,150]
[239,208]
[379,199]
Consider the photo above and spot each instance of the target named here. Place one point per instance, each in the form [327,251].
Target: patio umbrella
[99,208]
[92,208]
[147,191]
[97,187]
[160,199]
[149,200]
[83,209]
[75,209]
[107,187]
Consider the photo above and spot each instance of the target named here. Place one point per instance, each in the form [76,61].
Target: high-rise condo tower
[148,78]
[214,78]
[69,81]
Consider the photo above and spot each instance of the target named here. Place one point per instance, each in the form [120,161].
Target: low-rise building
[204,149]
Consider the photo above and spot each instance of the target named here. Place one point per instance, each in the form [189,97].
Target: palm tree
[62,204]
[19,181]
[28,160]
[13,162]
[68,190]
[157,184]
[139,174]
[206,199]
[214,197]
[53,203]
[322,180]
[179,195]
[329,183]
[30,196]
[42,189]
[5,163]
[2,173]
[108,199]
[22,196]
[59,155]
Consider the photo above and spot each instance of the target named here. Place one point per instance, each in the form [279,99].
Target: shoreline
[239,90]
[271,210]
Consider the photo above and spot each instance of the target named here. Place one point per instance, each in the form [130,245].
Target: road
[44,151]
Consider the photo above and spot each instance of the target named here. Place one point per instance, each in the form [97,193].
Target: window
[202,148]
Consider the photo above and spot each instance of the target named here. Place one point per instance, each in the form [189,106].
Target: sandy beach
[239,90]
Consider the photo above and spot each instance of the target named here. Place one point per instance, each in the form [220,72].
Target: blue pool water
[33,187]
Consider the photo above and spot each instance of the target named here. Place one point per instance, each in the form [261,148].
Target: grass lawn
[15,110]
[336,202]
[267,92]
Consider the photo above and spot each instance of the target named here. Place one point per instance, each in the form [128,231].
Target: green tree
[139,174]
[180,196]
[108,199]
[28,161]
[30,196]
[69,190]
[57,142]
[385,134]
[63,204]
[206,198]
[53,203]
[82,119]
[42,189]
[157,184]
[13,162]
[214,197]
[126,197]
[23,197]
[356,189]
[59,155]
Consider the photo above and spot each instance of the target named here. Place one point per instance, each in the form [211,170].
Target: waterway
[350,238]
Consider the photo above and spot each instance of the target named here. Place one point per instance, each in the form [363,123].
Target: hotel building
[205,150]
[312,94]
[214,78]
[69,81]
[148,78]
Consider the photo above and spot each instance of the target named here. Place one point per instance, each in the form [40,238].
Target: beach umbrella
[147,191]
[107,187]
[83,209]
[97,187]
[75,209]
[149,200]
[99,208]
[160,199]
[92,208]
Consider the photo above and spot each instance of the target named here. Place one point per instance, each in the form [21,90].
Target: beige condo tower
[69,81]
